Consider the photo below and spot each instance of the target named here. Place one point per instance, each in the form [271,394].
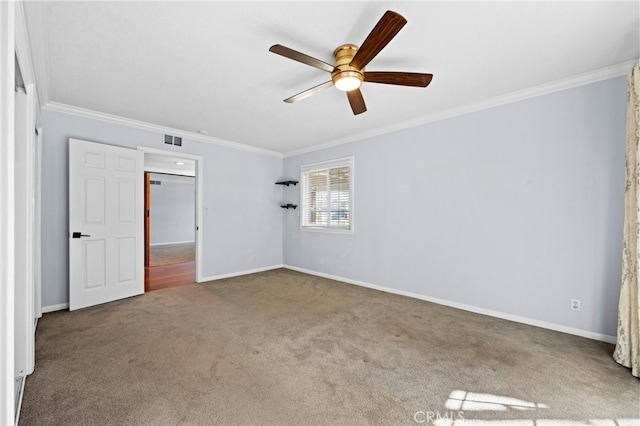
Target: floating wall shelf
[287,183]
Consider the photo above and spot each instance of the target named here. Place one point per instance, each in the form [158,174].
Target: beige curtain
[627,350]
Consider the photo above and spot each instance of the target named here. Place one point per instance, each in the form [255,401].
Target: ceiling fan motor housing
[342,70]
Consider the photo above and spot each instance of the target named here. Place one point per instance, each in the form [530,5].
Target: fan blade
[300,57]
[386,29]
[302,95]
[357,101]
[399,78]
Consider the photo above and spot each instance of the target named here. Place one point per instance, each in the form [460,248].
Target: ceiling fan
[347,72]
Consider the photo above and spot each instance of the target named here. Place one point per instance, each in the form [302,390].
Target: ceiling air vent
[173,140]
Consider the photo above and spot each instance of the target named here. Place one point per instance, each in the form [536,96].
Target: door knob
[78,235]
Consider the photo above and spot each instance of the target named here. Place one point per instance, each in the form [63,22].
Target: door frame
[7,212]
[24,198]
[147,203]
[199,197]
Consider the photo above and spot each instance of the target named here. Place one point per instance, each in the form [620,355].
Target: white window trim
[327,165]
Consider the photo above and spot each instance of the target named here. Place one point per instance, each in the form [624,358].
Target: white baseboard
[63,306]
[515,318]
[240,273]
[172,242]
[54,308]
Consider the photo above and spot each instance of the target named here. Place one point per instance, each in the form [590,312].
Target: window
[327,195]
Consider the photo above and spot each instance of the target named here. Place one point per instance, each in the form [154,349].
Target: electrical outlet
[575,304]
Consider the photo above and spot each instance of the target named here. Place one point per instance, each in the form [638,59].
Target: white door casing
[37,234]
[199,198]
[106,186]
[7,213]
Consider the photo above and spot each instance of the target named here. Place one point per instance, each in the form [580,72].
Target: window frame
[328,165]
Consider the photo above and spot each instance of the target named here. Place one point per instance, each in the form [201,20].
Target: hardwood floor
[167,276]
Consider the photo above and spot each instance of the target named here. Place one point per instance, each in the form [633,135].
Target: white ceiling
[163,177]
[169,165]
[206,66]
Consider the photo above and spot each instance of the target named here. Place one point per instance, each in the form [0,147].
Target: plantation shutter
[327,195]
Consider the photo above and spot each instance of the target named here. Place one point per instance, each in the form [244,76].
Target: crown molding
[544,89]
[115,119]
[532,92]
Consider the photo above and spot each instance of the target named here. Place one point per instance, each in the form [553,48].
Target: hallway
[170,265]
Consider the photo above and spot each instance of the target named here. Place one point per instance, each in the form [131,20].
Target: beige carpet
[284,348]
[169,254]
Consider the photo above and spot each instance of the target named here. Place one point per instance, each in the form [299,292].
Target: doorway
[172,200]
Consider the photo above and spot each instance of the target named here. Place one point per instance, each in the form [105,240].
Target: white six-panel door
[106,254]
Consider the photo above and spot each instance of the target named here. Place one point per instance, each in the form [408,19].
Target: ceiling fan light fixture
[348,81]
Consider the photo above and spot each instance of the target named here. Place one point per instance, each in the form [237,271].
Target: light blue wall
[172,213]
[244,216]
[515,209]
